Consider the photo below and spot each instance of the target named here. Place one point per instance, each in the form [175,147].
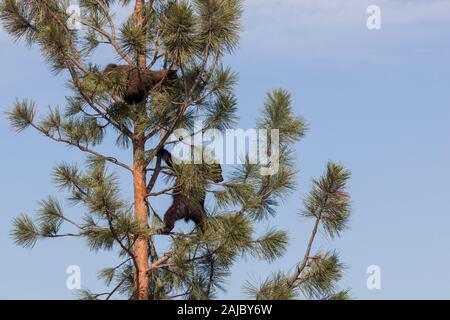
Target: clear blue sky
[377,101]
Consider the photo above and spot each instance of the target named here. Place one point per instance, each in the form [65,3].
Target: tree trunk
[140,19]
[141,249]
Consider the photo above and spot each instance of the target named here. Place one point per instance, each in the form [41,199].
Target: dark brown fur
[181,207]
[141,82]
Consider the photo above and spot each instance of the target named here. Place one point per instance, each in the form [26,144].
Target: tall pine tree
[140,103]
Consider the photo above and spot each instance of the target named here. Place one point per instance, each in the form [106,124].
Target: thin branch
[109,216]
[116,288]
[154,177]
[93,102]
[112,37]
[296,276]
[82,148]
[164,191]
[65,235]
[160,263]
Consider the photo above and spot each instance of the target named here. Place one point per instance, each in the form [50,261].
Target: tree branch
[82,148]
[112,37]
[296,276]
[160,262]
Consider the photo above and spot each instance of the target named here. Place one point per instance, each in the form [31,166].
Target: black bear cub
[141,82]
[181,207]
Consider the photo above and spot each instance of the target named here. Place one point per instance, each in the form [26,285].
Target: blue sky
[377,101]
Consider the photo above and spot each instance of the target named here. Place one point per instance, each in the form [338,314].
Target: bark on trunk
[141,214]
[140,19]
[141,249]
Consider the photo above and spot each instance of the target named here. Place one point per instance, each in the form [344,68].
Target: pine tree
[192,38]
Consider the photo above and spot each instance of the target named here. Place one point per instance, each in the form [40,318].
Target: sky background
[376,101]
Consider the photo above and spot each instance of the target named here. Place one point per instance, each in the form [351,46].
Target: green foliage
[192,38]
[321,275]
[50,217]
[219,24]
[22,115]
[341,295]
[328,200]
[18,20]
[99,238]
[178,32]
[278,114]
[25,232]
[271,245]
[317,276]
[273,288]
